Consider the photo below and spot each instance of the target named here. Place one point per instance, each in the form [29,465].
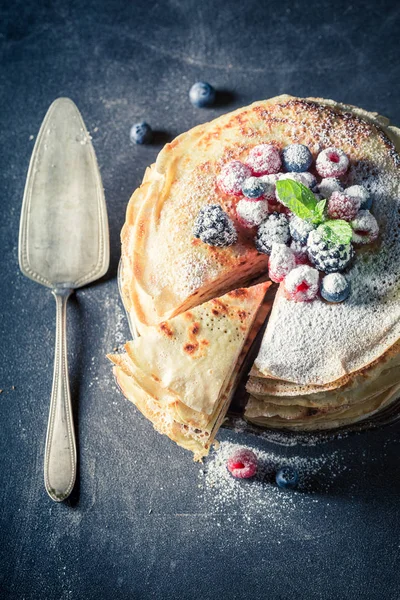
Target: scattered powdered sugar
[252,213]
[260,495]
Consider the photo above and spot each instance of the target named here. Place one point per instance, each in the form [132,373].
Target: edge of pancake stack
[320,365]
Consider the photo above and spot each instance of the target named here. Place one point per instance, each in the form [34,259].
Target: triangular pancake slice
[182,373]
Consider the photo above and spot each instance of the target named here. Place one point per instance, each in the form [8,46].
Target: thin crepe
[187,368]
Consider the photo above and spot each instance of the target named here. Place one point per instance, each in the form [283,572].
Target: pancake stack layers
[320,365]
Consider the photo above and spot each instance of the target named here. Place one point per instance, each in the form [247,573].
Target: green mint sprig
[337,231]
[301,201]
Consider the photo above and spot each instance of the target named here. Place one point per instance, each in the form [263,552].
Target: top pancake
[167,270]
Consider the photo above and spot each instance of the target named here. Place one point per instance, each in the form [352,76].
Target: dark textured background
[141,524]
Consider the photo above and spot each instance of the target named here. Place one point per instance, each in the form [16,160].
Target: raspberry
[214,227]
[342,206]
[264,160]
[300,229]
[232,176]
[297,158]
[301,285]
[269,184]
[332,162]
[242,464]
[253,188]
[359,191]
[250,213]
[335,287]
[330,185]
[300,253]
[274,230]
[281,262]
[365,228]
[325,254]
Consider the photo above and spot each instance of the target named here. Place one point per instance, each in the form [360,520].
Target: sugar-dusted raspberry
[301,285]
[329,185]
[332,162]
[250,213]
[365,228]
[264,159]
[300,253]
[253,188]
[359,191]
[281,262]
[242,464]
[275,229]
[232,176]
[342,206]
[269,183]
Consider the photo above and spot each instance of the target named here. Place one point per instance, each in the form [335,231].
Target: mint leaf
[296,197]
[338,231]
[318,212]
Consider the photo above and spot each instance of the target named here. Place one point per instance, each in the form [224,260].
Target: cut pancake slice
[182,373]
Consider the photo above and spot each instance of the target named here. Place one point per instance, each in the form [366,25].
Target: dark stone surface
[141,524]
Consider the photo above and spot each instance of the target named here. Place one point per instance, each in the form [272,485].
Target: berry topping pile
[308,226]
[242,464]
[214,227]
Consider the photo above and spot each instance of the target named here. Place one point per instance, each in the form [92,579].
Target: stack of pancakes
[320,365]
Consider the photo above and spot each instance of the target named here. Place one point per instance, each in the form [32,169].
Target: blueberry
[141,133]
[335,288]
[202,94]
[253,187]
[296,158]
[287,478]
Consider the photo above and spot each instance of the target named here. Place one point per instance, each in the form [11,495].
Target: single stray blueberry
[202,94]
[287,477]
[141,133]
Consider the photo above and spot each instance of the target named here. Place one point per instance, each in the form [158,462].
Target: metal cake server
[63,244]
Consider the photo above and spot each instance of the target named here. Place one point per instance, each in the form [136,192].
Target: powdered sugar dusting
[260,495]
